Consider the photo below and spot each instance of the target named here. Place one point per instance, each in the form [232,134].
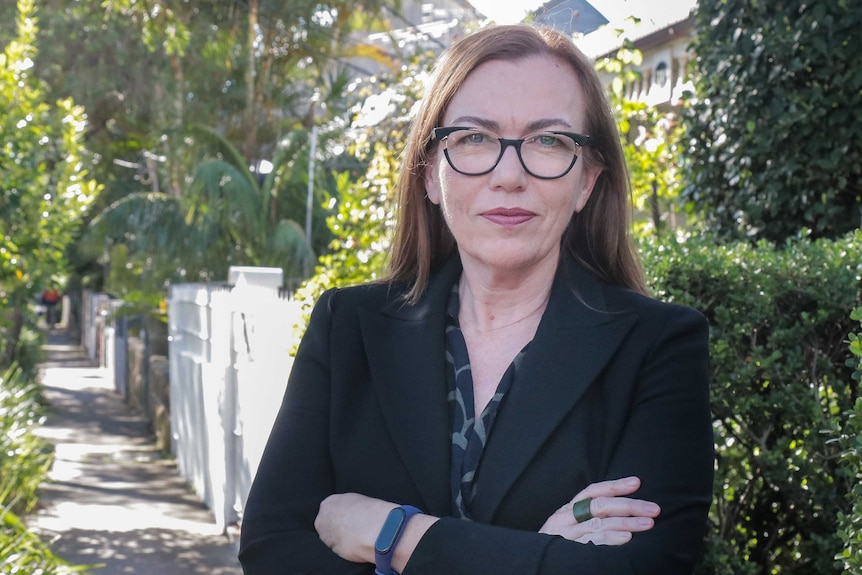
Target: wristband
[388,538]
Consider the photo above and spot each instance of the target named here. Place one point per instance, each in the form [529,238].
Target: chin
[509,256]
[511,262]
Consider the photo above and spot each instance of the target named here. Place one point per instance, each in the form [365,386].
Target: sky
[510,11]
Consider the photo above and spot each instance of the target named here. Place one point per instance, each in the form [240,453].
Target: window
[661,75]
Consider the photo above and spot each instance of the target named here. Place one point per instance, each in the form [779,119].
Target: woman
[510,400]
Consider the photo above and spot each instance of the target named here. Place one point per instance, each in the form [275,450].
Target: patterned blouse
[469,435]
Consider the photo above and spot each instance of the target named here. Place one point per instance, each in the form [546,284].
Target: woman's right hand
[615,517]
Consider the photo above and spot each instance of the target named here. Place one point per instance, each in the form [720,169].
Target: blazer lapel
[406,352]
[575,340]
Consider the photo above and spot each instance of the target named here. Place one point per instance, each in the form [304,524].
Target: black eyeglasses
[476,152]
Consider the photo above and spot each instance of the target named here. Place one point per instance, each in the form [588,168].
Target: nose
[509,174]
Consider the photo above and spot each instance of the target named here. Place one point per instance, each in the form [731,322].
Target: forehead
[514,93]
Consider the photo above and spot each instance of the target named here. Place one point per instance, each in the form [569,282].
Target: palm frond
[372,52]
[145,221]
[217,146]
[288,159]
[289,250]
[225,195]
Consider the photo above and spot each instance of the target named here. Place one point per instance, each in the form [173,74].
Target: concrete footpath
[113,501]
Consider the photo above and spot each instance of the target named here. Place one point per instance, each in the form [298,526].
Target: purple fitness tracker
[388,538]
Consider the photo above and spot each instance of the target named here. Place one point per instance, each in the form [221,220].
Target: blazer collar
[406,352]
[405,345]
[577,336]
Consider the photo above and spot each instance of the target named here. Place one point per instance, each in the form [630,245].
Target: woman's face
[508,220]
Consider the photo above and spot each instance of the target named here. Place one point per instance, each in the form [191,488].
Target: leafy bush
[44,187]
[28,345]
[24,463]
[779,318]
[29,351]
[24,458]
[773,137]
[851,440]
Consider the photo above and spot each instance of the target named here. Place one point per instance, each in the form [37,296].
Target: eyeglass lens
[546,155]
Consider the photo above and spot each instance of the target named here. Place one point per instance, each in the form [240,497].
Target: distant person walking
[50,298]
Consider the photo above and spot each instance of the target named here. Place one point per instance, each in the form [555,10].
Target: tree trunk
[174,175]
[655,208]
[251,83]
[14,334]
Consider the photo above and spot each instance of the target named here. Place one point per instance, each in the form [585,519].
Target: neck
[487,306]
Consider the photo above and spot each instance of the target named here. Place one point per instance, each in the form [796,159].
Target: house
[662,31]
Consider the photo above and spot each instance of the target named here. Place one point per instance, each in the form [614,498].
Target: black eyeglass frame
[440,134]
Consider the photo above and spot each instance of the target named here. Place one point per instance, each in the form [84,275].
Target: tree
[773,138]
[44,188]
[257,73]
[364,219]
[650,140]
[225,217]
[261,74]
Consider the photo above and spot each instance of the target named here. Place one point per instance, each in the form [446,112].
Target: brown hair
[598,236]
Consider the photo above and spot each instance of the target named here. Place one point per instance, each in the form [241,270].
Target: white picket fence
[229,362]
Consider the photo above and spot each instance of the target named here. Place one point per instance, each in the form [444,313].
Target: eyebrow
[494,126]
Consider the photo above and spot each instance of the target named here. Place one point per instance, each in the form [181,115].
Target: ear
[590,175]
[432,181]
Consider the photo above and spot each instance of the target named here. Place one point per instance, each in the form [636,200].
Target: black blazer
[614,384]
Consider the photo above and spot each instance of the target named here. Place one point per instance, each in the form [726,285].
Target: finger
[623,507]
[606,538]
[611,488]
[628,524]
[598,529]
[586,509]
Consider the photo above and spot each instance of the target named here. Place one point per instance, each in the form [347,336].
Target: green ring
[581,510]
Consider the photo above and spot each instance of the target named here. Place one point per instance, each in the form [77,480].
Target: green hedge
[851,442]
[780,381]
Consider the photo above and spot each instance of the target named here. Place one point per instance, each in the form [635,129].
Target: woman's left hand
[348,524]
[614,517]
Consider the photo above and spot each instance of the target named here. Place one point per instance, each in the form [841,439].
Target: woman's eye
[475,138]
[547,140]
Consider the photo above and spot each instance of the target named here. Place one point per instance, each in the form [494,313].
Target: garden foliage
[651,143]
[44,187]
[774,143]
[24,463]
[779,319]
[363,218]
[851,442]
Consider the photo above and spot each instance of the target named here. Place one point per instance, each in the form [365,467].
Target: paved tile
[113,500]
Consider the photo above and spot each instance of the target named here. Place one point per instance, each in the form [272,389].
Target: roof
[570,16]
[600,26]
[650,21]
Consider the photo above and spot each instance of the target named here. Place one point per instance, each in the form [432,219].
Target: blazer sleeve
[667,441]
[295,472]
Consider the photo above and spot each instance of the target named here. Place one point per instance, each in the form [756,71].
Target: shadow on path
[112,499]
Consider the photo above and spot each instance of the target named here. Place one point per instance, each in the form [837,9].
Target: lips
[508,216]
